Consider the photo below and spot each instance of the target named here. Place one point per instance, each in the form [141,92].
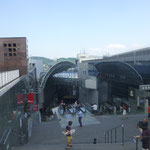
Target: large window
[10,49]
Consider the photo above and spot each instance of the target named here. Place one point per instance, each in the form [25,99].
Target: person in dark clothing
[142,125]
[145,134]
[149,112]
[63,106]
[146,139]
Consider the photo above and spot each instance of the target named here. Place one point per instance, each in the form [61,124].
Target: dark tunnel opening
[54,92]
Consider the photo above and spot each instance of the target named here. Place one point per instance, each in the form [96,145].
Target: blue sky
[63,28]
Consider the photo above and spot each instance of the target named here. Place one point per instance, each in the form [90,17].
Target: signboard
[30,98]
[142,101]
[144,87]
[19,98]
[91,83]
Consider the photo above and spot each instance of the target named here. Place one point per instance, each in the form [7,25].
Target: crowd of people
[141,125]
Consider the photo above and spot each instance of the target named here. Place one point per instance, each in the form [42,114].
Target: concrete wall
[39,66]
[88,89]
[88,96]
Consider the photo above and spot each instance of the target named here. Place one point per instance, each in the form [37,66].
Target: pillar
[138,101]
[114,110]
[146,106]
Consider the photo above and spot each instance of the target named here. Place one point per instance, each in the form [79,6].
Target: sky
[63,28]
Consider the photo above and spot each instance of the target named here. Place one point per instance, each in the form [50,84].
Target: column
[138,101]
[114,110]
[146,106]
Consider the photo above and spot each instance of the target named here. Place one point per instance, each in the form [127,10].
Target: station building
[115,80]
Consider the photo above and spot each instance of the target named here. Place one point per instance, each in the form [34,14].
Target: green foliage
[67,59]
[46,61]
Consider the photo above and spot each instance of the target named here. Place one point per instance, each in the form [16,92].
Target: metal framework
[59,67]
[119,71]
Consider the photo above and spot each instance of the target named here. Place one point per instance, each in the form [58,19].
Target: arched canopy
[57,68]
[118,71]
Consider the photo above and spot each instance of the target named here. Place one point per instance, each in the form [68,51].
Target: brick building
[14,54]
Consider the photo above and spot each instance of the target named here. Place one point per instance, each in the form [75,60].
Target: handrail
[9,131]
[109,134]
[86,104]
[15,133]
[3,136]
[136,140]
[6,135]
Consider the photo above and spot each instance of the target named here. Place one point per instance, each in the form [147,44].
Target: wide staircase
[128,146]
[110,133]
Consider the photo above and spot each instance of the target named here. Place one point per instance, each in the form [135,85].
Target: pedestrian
[94,106]
[69,135]
[149,112]
[80,115]
[63,106]
[75,106]
[145,138]
[142,125]
[78,106]
[124,109]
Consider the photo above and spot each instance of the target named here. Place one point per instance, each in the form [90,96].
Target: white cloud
[116,46]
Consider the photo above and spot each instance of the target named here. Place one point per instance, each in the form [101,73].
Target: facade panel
[13,54]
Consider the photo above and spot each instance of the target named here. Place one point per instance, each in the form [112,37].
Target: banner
[30,98]
[19,98]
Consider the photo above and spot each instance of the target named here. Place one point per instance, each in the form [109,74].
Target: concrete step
[128,146]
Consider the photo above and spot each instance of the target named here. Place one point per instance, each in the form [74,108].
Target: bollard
[122,135]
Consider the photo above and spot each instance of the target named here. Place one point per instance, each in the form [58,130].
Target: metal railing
[4,145]
[8,76]
[88,107]
[111,135]
[136,140]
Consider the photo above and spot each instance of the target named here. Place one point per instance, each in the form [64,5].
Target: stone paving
[87,120]
[50,133]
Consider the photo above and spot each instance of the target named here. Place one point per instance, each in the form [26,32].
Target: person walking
[142,125]
[63,106]
[94,106]
[80,115]
[75,106]
[145,138]
[69,135]
[124,112]
[149,112]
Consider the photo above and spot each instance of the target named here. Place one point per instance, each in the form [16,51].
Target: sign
[144,87]
[142,101]
[19,98]
[30,98]
[131,93]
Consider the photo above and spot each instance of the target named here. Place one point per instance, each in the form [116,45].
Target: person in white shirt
[79,113]
[94,109]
